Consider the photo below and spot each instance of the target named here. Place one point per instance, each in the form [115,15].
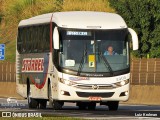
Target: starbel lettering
[33,65]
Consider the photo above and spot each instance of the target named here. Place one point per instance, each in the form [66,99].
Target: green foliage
[144,17]
[13,11]
[58,5]
[1,18]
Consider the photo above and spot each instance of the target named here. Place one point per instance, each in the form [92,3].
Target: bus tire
[32,103]
[42,104]
[113,105]
[91,106]
[57,105]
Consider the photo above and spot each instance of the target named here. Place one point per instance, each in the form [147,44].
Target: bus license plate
[94,98]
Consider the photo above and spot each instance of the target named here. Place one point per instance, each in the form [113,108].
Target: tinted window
[33,39]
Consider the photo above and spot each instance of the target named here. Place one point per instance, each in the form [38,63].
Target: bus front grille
[94,86]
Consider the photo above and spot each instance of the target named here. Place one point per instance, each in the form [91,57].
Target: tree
[144,17]
[58,5]
[1,13]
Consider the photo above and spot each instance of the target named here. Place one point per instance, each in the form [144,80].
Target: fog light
[62,92]
[65,93]
[126,93]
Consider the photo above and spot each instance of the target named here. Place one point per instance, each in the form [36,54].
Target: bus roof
[79,19]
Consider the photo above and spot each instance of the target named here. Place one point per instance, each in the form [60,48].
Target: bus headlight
[67,82]
[122,83]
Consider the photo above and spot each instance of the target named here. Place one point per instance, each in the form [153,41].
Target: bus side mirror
[134,38]
[56,38]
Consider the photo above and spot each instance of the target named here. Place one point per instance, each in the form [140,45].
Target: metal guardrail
[145,71]
[7,72]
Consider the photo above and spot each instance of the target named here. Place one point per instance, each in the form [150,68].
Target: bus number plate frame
[95,98]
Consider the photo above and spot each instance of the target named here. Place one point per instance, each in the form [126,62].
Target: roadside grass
[43,118]
[10,51]
[87,5]
[14,11]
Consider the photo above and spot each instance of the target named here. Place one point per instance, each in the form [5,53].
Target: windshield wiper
[82,61]
[106,63]
[101,55]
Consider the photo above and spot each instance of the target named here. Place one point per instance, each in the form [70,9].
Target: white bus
[61,57]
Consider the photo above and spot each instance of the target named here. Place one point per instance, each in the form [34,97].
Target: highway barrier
[144,94]
[145,71]
[7,72]
[8,89]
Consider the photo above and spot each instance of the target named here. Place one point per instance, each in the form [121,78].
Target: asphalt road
[125,111]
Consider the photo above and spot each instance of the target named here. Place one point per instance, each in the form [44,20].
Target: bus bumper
[72,94]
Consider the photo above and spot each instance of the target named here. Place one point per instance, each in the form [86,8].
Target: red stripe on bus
[39,86]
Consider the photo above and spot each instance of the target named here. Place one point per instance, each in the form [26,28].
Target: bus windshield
[95,51]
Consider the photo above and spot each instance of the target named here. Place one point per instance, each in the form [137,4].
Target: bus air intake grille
[100,87]
[99,94]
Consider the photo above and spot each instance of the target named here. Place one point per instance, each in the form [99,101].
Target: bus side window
[29,40]
[46,36]
[19,40]
[40,38]
[35,40]
[43,38]
[24,40]
[32,39]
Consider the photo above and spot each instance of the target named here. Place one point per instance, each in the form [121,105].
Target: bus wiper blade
[82,62]
[106,63]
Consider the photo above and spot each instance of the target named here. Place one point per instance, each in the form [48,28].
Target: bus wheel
[42,104]
[82,105]
[113,105]
[57,105]
[91,106]
[32,103]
